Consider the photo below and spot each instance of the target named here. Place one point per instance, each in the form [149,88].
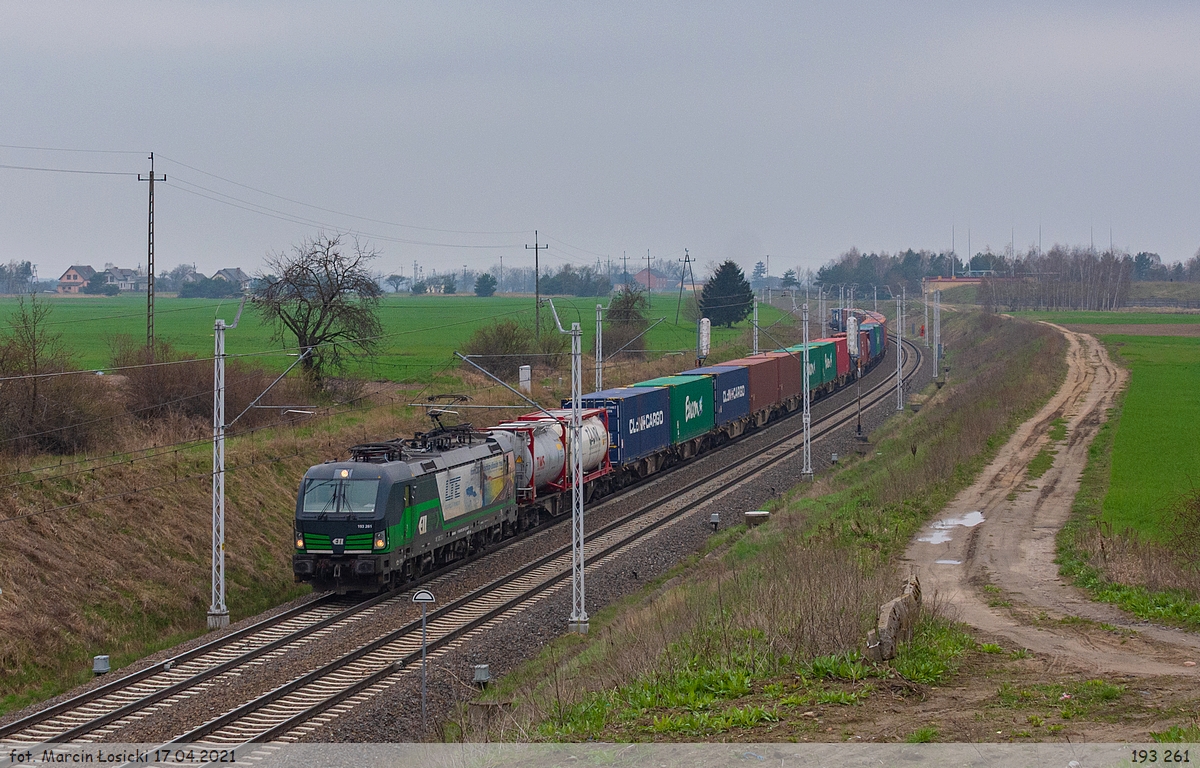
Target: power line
[273,213]
[66,170]
[341,213]
[65,149]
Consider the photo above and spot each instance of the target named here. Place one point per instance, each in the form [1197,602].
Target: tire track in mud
[1012,545]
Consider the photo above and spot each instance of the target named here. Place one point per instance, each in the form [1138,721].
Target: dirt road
[999,534]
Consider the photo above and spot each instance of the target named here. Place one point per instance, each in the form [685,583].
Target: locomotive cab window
[339,497]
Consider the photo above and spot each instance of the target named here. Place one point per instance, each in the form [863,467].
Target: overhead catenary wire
[157,451]
[192,476]
[161,450]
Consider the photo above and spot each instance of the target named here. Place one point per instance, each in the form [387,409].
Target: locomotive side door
[409,515]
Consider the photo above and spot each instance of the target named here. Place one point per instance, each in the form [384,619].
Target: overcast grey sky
[731,129]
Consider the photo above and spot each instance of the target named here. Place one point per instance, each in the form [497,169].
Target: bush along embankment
[752,638]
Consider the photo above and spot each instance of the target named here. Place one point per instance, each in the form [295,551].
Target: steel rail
[172,689]
[839,417]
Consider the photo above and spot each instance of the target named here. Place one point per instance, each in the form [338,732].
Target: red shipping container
[864,348]
[843,353]
[791,377]
[764,380]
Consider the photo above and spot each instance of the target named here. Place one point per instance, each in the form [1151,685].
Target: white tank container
[548,439]
[540,453]
[594,438]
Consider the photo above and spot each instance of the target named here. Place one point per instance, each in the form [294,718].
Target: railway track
[342,683]
[300,706]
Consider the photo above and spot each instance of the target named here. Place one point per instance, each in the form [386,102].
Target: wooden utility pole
[150,262]
[537,287]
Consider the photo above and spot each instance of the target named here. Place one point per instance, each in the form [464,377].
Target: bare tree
[326,298]
[57,414]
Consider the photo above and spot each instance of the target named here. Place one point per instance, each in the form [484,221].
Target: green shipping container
[822,361]
[691,405]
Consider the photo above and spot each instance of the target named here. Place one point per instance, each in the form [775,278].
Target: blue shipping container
[731,390]
[638,420]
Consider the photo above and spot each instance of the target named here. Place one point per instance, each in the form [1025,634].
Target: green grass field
[421,332]
[1155,455]
[1110,318]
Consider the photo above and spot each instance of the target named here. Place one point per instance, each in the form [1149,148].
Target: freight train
[402,508]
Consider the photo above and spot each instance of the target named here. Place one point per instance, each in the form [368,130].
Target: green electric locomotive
[402,508]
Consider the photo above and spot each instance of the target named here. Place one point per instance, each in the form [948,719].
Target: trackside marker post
[424,597]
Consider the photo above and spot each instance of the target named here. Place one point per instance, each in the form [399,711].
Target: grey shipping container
[638,420]
[731,390]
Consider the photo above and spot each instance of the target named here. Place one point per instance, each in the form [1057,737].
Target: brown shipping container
[764,380]
[791,377]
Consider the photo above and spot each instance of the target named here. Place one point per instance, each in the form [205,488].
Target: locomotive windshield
[349,498]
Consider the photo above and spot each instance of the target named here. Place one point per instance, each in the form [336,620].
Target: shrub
[626,319]
[502,347]
[169,385]
[98,286]
[209,288]
[57,414]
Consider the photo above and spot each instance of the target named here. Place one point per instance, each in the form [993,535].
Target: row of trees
[1061,278]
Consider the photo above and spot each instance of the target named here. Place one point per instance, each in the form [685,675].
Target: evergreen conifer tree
[726,297]
[485,285]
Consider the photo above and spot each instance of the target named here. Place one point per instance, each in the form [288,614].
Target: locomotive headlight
[380,540]
[299,540]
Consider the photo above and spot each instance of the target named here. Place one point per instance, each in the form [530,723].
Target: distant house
[234,275]
[654,280]
[126,279]
[75,278]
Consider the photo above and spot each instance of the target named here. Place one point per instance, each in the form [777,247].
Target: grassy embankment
[1130,540]
[125,570]
[745,638]
[420,332]
[129,575]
